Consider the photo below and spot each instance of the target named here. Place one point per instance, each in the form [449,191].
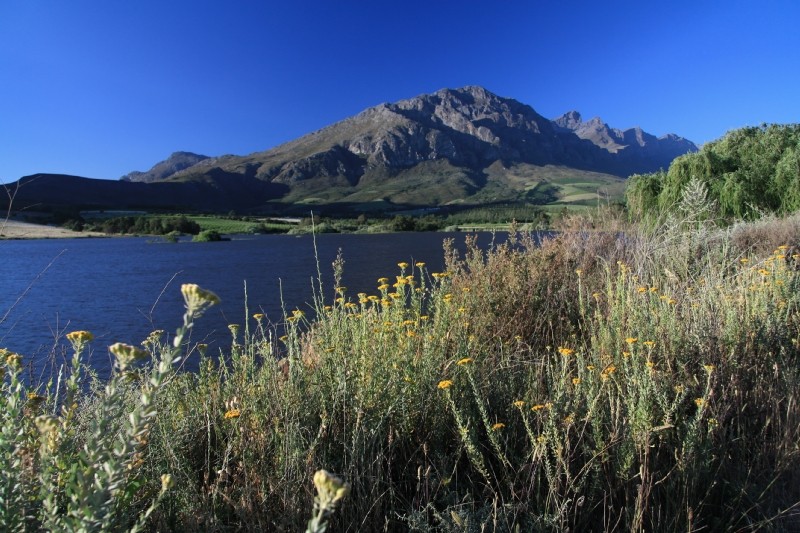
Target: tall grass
[614,380]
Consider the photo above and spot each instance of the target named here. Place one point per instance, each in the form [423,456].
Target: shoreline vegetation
[170,226]
[630,379]
[643,377]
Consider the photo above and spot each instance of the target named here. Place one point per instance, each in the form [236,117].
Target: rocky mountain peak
[570,120]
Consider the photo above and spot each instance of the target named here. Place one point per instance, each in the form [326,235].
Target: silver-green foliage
[76,466]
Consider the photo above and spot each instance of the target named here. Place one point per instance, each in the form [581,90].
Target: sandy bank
[12,229]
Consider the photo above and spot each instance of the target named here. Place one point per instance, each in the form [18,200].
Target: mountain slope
[455,146]
[469,128]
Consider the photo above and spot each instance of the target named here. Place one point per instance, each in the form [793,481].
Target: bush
[209,235]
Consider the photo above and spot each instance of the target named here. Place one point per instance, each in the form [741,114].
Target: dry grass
[11,229]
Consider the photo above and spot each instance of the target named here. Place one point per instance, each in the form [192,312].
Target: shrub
[209,235]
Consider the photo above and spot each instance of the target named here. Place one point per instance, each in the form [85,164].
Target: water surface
[121,289]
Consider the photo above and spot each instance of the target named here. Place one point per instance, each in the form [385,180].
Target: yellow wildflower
[631,340]
[258,316]
[167,482]
[519,404]
[330,489]
[610,369]
[566,352]
[403,265]
[197,299]
[709,368]
[445,384]
[699,402]
[498,426]
[464,361]
[538,407]
[35,399]
[576,381]
[419,264]
[649,344]
[233,413]
[79,337]
[126,354]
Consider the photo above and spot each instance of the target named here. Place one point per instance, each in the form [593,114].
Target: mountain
[463,146]
[174,163]
[470,128]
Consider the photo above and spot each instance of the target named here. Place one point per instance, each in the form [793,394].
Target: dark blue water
[121,289]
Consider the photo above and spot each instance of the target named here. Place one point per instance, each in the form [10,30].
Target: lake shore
[12,229]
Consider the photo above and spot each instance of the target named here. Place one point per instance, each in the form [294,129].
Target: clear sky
[99,88]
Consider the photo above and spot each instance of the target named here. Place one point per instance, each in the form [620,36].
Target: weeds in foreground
[588,382]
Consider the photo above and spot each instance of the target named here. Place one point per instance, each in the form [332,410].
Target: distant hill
[463,146]
[650,149]
[176,162]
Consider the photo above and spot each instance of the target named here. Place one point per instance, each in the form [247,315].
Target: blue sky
[100,88]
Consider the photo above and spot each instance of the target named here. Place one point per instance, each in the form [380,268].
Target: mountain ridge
[451,147]
[471,127]
[176,162]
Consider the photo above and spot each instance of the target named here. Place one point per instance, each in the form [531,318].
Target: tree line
[145,225]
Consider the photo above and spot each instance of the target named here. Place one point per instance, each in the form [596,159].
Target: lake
[121,289]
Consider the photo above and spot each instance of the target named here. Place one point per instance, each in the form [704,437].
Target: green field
[232,226]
